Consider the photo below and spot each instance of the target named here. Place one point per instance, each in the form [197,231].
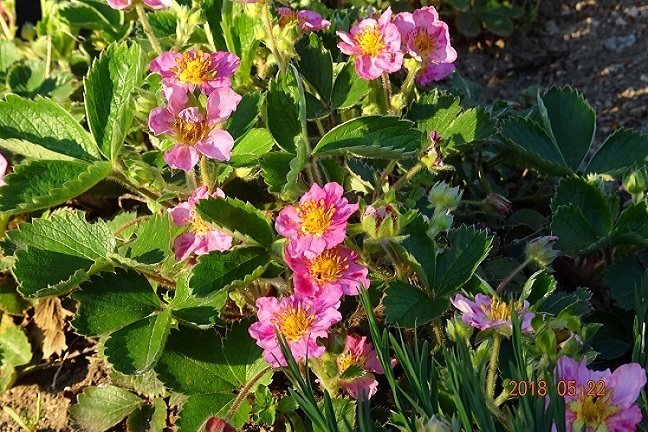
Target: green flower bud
[496,203]
[370,109]
[260,32]
[435,424]
[440,223]
[541,250]
[444,198]
[398,101]
[381,222]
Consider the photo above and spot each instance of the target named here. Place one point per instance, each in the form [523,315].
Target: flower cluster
[381,45]
[612,408]
[324,271]
[492,313]
[199,238]
[188,80]
[153,4]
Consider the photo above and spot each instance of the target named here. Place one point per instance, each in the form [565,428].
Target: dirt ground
[598,47]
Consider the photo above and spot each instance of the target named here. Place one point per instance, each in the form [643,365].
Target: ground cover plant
[271,217]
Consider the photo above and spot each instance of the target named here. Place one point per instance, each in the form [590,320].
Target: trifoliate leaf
[100,408]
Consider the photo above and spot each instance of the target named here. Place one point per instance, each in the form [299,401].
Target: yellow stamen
[316,218]
[370,40]
[190,133]
[328,266]
[293,323]
[346,359]
[287,18]
[592,411]
[423,43]
[194,68]
[198,225]
[499,310]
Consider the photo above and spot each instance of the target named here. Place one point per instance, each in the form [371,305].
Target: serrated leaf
[498,23]
[475,124]
[375,136]
[148,418]
[624,279]
[27,125]
[349,88]
[283,111]
[113,301]
[353,371]
[153,243]
[42,184]
[193,311]
[316,65]
[9,54]
[100,408]
[11,302]
[108,87]
[95,15]
[589,199]
[344,411]
[408,306]
[211,372]
[574,231]
[136,347]
[434,111]
[237,217]
[538,287]
[632,225]
[250,147]
[275,167]
[246,115]
[146,384]
[620,150]
[222,270]
[213,14]
[15,348]
[575,303]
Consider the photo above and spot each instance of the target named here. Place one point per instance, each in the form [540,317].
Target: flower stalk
[492,368]
[146,25]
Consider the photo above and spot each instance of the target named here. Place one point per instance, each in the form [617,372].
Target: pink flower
[200,238]
[153,4]
[486,313]
[3,169]
[309,21]
[359,352]
[600,400]
[195,132]
[318,223]
[424,37]
[301,320]
[196,69]
[333,270]
[433,72]
[376,45]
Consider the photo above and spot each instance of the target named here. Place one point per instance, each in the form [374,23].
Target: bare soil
[598,47]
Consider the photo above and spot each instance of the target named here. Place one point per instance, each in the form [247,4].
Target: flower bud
[444,198]
[541,250]
[260,32]
[397,101]
[636,182]
[254,10]
[215,424]
[440,223]
[370,109]
[435,424]
[381,222]
[497,203]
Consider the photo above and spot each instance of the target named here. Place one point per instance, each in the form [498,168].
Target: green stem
[512,275]
[191,179]
[383,176]
[4,221]
[139,7]
[400,273]
[408,176]
[387,87]
[271,38]
[492,368]
[204,173]
[129,224]
[121,178]
[244,392]
[408,85]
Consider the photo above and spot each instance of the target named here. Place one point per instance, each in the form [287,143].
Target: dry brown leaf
[49,318]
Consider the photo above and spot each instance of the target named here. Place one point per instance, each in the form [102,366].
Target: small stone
[620,22]
[644,77]
[551,27]
[619,43]
[633,12]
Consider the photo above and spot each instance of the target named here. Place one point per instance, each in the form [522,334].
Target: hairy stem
[492,368]
[381,180]
[139,7]
[408,175]
[271,39]
[508,278]
[204,173]
[387,87]
[129,224]
[244,392]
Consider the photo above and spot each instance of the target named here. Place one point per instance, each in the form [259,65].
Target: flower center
[423,43]
[293,323]
[370,41]
[346,359]
[197,224]
[498,310]
[287,17]
[194,68]
[316,218]
[592,411]
[328,266]
[190,132]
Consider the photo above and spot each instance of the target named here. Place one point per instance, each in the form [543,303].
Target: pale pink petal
[182,157]
[627,381]
[385,18]
[366,68]
[161,121]
[163,63]
[220,104]
[3,169]
[184,245]
[181,214]
[213,240]
[217,145]
[176,97]
[120,4]
[365,385]
[158,4]
[625,420]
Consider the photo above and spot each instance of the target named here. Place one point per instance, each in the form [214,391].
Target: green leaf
[316,65]
[136,347]
[246,115]
[564,108]
[349,88]
[624,279]
[113,301]
[589,199]
[409,306]
[211,372]
[15,348]
[66,245]
[153,243]
[250,147]
[11,302]
[575,303]
[196,312]
[42,184]
[213,13]
[344,411]
[275,168]
[468,24]
[620,150]
[148,418]
[315,108]
[461,5]
[108,87]
[498,23]
[245,43]
[632,225]
[574,231]
[283,112]
[375,136]
[238,218]
[30,127]
[475,124]
[94,15]
[222,270]
[9,54]
[538,287]
[353,371]
[164,24]
[100,408]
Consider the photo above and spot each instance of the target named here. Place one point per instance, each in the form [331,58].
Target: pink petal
[176,96]
[182,157]
[181,214]
[214,240]
[3,169]
[164,62]
[385,18]
[158,4]
[220,104]
[120,4]
[217,145]
[366,68]
[627,382]
[161,121]
[184,245]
